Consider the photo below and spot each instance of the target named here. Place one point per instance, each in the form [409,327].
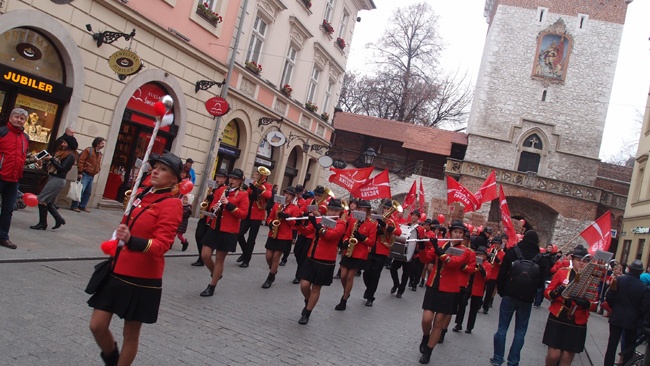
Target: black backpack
[524,277]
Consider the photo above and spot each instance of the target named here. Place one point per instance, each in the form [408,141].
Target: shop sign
[228,150]
[641,230]
[124,62]
[276,138]
[217,106]
[34,83]
[264,162]
[230,134]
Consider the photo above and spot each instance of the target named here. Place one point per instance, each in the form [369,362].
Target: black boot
[422,282]
[457,328]
[426,356]
[341,306]
[304,319]
[442,336]
[424,344]
[209,291]
[55,213]
[112,358]
[269,280]
[42,218]
[198,263]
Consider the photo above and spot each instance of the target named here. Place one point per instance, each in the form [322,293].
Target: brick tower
[539,110]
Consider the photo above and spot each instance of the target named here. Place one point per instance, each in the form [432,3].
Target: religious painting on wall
[553,51]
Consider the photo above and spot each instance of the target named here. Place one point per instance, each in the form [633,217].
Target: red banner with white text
[350,179]
[375,187]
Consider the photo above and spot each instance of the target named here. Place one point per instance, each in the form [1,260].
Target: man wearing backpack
[88,165]
[519,277]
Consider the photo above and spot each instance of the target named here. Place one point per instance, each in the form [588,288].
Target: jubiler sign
[124,62]
[34,83]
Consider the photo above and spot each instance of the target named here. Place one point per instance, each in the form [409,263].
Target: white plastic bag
[75,191]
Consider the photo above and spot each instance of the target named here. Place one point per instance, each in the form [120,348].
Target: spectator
[89,164]
[188,171]
[187,200]
[13,147]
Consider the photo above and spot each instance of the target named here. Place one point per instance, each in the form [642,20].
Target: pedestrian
[259,192]
[280,232]
[566,327]
[134,288]
[629,299]
[187,200]
[517,284]
[230,206]
[13,147]
[220,178]
[318,269]
[58,167]
[188,171]
[88,165]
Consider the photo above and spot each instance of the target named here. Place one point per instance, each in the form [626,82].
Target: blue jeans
[509,307]
[87,182]
[9,192]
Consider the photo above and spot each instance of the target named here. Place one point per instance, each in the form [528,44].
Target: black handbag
[102,270]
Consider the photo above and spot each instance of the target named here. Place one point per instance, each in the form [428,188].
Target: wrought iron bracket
[109,37]
[207,84]
[265,121]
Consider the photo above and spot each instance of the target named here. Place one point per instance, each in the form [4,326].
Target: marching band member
[496,254]
[231,207]
[201,227]
[478,286]
[354,256]
[417,267]
[465,286]
[441,296]
[353,205]
[258,193]
[300,190]
[400,286]
[387,231]
[280,232]
[306,233]
[318,268]
[566,327]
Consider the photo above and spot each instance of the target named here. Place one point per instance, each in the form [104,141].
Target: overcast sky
[463,28]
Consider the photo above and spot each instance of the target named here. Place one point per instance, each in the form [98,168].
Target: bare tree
[405,87]
[627,152]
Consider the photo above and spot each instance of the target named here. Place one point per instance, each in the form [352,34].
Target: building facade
[635,235]
[56,63]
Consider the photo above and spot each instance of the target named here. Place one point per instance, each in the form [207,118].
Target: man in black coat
[516,299]
[630,301]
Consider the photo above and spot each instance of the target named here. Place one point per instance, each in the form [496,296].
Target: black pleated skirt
[130,298]
[562,333]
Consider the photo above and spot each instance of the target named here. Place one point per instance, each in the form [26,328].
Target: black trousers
[201,228]
[490,285]
[474,306]
[416,271]
[300,251]
[463,298]
[247,245]
[612,343]
[374,266]
[406,274]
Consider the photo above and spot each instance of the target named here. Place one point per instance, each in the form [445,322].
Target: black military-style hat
[237,174]
[364,204]
[290,190]
[221,173]
[335,204]
[171,160]
[319,190]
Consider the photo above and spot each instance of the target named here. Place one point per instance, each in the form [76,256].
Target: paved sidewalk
[45,316]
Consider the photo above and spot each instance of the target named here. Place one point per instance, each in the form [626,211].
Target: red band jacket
[447,268]
[368,228]
[385,241]
[478,286]
[285,230]
[229,217]
[308,230]
[496,265]
[325,246]
[564,276]
[156,223]
[468,270]
[257,202]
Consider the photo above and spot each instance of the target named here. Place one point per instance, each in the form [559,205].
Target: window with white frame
[313,84]
[328,95]
[289,65]
[329,10]
[210,4]
[344,23]
[257,40]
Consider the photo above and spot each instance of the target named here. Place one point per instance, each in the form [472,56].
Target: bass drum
[402,249]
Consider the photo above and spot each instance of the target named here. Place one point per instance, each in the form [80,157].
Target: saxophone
[205,204]
[352,242]
[275,224]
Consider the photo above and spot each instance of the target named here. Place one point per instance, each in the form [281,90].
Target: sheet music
[359,215]
[327,222]
[279,199]
[454,251]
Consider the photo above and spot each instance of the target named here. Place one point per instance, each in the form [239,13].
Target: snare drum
[403,250]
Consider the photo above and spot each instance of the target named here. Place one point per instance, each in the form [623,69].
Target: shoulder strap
[518,252]
[4,130]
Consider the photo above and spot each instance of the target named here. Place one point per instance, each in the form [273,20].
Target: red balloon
[30,199]
[470,227]
[441,218]
[423,216]
[522,222]
[185,187]
[159,109]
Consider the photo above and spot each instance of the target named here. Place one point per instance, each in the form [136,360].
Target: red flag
[350,179]
[488,190]
[421,194]
[599,234]
[410,197]
[506,220]
[457,193]
[375,187]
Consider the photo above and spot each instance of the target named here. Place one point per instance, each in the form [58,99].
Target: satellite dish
[325,161]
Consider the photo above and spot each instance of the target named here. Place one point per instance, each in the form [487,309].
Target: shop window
[29,51]
[40,124]
[639,249]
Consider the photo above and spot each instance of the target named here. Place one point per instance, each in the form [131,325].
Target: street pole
[214,146]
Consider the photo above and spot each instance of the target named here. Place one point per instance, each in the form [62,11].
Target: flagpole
[561,248]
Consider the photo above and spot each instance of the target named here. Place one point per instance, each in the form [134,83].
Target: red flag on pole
[375,187]
[421,196]
[410,197]
[456,192]
[599,234]
[350,179]
[506,220]
[488,190]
